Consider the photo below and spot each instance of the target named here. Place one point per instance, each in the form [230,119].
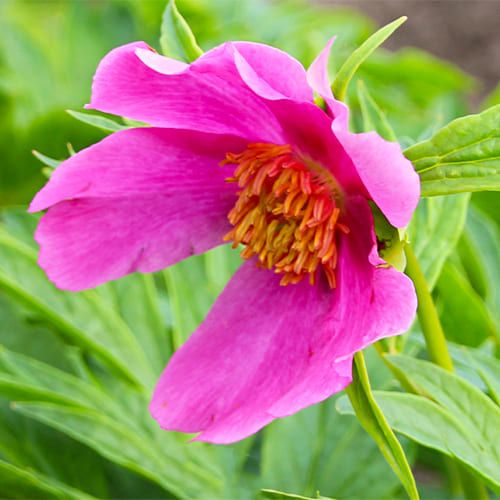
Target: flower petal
[317,77]
[207,95]
[139,200]
[389,178]
[271,73]
[266,351]
[251,348]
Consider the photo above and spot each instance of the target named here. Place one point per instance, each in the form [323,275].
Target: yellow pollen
[286,213]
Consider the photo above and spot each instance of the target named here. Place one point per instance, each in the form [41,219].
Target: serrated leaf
[434,426]
[177,39]
[354,61]
[97,121]
[373,116]
[373,421]
[463,156]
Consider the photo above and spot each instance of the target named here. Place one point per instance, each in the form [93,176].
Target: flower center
[287,212]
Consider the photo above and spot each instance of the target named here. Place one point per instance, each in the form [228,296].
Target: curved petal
[271,73]
[317,77]
[207,95]
[266,351]
[389,178]
[139,200]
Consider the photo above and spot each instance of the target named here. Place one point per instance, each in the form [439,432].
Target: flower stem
[427,314]
[435,341]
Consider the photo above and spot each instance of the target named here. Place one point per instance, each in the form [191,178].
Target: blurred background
[83,365]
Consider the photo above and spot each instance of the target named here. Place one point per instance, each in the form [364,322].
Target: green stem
[427,314]
[435,341]
[372,419]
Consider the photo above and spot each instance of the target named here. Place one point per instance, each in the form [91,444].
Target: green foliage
[97,121]
[435,230]
[474,324]
[372,116]
[463,156]
[373,420]
[280,495]
[354,61]
[477,415]
[177,39]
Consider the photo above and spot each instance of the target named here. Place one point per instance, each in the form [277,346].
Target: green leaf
[97,121]
[479,251]
[122,445]
[189,297]
[318,449]
[354,61]
[492,99]
[177,39]
[193,285]
[373,116]
[136,299]
[16,482]
[25,378]
[46,160]
[463,156]
[488,368]
[434,426]
[280,495]
[372,419]
[435,230]
[478,415]
[464,316]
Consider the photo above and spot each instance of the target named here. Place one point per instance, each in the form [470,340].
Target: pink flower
[237,151]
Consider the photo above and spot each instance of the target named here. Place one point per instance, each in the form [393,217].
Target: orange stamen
[286,214]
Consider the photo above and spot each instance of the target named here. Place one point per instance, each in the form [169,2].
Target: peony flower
[237,152]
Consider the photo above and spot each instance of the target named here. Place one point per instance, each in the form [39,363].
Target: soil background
[466,32]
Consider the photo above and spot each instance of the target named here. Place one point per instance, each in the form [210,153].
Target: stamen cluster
[286,213]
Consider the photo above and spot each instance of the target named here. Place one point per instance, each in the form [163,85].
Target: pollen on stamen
[286,214]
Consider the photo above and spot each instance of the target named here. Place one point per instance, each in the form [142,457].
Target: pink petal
[389,178]
[140,200]
[246,353]
[207,95]
[317,77]
[271,73]
[266,351]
